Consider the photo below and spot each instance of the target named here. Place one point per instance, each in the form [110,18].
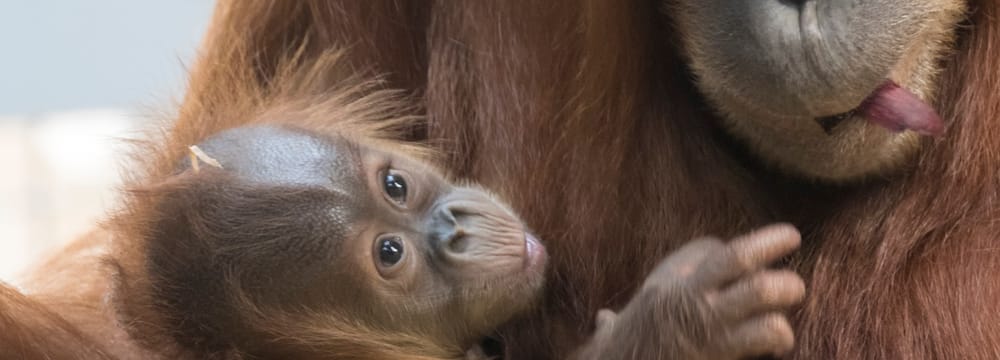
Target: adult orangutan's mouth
[830,122]
[892,107]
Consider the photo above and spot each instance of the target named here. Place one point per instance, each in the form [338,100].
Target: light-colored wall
[77,77]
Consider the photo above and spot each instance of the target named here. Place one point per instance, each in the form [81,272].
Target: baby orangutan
[283,243]
[277,242]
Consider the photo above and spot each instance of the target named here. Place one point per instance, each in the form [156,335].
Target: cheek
[414,285]
[284,267]
[298,270]
[424,302]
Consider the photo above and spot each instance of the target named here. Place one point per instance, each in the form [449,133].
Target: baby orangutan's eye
[390,251]
[394,186]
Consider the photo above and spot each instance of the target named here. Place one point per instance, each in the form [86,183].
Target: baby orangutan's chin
[529,278]
[511,286]
[536,259]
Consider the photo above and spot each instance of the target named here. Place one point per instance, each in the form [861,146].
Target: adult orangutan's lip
[892,107]
[897,109]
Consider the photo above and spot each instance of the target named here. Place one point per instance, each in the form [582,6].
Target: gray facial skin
[281,157]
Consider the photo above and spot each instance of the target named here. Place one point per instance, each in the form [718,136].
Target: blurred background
[77,77]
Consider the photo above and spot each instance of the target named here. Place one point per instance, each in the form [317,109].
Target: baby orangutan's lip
[892,107]
[534,251]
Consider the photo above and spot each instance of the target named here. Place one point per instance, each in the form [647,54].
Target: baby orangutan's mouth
[534,252]
[894,108]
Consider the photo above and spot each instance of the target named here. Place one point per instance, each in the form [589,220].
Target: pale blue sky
[58,55]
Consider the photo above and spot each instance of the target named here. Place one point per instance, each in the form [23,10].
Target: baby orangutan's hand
[708,300]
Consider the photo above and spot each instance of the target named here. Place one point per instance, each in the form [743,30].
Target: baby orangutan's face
[370,235]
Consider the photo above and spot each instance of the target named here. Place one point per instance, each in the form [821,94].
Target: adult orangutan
[585,115]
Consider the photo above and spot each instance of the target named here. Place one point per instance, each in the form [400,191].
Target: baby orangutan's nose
[469,226]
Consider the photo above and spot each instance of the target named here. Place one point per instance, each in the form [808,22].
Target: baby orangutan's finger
[768,334]
[748,253]
[761,292]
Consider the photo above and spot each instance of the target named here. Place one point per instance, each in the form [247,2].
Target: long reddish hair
[583,115]
[911,268]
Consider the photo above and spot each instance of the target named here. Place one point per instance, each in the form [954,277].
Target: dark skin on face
[391,250]
[330,226]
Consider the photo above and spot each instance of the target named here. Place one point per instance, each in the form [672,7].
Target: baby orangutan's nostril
[795,3]
[458,242]
[459,212]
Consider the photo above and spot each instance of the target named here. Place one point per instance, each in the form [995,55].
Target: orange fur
[582,114]
[32,331]
[100,283]
[312,93]
[908,269]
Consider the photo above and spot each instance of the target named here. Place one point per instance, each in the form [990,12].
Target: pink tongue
[897,109]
